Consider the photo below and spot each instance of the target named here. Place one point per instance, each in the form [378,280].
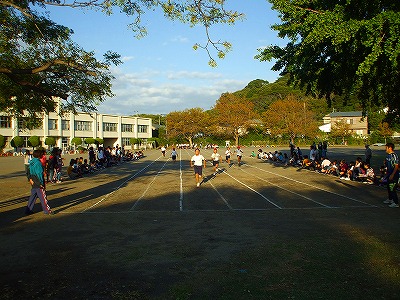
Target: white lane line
[222,197]
[261,195]
[148,186]
[118,187]
[181,182]
[312,186]
[287,190]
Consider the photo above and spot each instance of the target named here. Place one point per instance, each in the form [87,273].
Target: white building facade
[113,129]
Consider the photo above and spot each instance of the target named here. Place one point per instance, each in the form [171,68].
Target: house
[358,123]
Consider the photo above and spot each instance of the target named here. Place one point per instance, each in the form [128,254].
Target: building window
[65,124]
[83,126]
[5,122]
[143,128]
[126,141]
[53,124]
[110,127]
[126,127]
[22,123]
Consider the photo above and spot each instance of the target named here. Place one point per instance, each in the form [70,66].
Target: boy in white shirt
[216,158]
[197,162]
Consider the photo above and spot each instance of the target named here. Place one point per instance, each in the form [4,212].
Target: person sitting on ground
[325,165]
[73,171]
[334,169]
[369,175]
[307,163]
[343,168]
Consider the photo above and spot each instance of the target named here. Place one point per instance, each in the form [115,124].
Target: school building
[113,129]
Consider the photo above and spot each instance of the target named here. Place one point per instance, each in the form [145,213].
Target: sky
[161,72]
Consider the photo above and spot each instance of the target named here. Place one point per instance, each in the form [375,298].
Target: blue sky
[161,72]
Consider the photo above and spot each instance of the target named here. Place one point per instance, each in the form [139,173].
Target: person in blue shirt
[36,179]
[392,175]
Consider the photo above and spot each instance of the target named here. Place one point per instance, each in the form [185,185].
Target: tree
[77,141]
[385,130]
[99,141]
[17,142]
[40,63]
[90,141]
[2,142]
[347,47]
[341,129]
[291,117]
[50,141]
[187,124]
[34,141]
[233,115]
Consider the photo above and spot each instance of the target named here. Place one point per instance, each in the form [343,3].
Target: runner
[163,149]
[239,154]
[228,155]
[216,158]
[197,162]
[174,154]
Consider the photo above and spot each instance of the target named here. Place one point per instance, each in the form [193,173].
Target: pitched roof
[346,114]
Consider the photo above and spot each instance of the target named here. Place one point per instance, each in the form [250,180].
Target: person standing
[239,154]
[27,160]
[216,159]
[36,179]
[368,154]
[197,162]
[392,175]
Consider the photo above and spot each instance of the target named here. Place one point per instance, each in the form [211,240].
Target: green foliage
[90,141]
[134,141]
[99,141]
[2,142]
[34,141]
[50,141]
[49,65]
[77,141]
[17,142]
[81,149]
[349,48]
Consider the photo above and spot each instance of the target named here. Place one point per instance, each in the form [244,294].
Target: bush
[99,141]
[34,141]
[76,141]
[2,142]
[50,141]
[17,142]
[90,141]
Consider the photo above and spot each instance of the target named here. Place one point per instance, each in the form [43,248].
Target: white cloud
[154,92]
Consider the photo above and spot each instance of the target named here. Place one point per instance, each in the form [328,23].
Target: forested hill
[262,93]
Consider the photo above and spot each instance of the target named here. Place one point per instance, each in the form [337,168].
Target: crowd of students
[317,160]
[77,167]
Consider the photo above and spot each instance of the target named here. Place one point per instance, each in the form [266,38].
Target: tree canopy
[40,61]
[349,48]
[187,124]
[233,114]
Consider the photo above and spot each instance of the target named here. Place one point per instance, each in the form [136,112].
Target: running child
[216,158]
[174,154]
[228,155]
[239,154]
[197,162]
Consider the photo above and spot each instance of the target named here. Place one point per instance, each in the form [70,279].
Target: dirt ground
[142,230]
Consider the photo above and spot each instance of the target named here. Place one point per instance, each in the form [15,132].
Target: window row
[5,122]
